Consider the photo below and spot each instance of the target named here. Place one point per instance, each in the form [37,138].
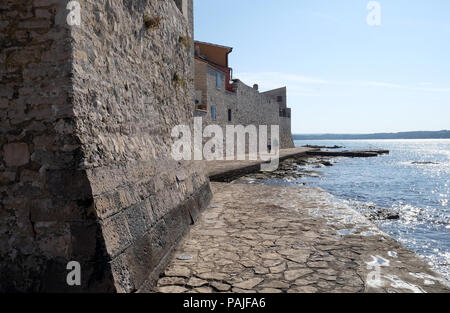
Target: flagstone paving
[222,170]
[269,239]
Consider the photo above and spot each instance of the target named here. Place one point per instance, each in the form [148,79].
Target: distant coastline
[443,134]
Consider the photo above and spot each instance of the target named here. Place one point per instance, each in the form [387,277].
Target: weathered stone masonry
[85,167]
[232,98]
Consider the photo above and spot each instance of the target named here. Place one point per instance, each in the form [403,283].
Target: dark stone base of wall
[50,274]
[139,267]
[96,276]
[143,262]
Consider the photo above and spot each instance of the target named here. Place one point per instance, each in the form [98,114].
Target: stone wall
[286,139]
[200,81]
[248,106]
[205,84]
[280,97]
[85,166]
[45,196]
[222,99]
[253,107]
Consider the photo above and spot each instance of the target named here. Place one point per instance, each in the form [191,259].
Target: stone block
[68,184]
[159,237]
[121,273]
[53,241]
[46,210]
[7,177]
[16,154]
[193,207]
[84,238]
[116,234]
[138,219]
[4,103]
[140,261]
[176,224]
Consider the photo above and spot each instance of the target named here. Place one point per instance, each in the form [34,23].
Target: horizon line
[376,133]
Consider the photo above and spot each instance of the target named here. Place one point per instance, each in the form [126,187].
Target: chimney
[256,87]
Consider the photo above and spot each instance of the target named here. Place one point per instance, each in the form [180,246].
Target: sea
[413,180]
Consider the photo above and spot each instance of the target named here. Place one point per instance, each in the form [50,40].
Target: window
[213,112]
[182,6]
[218,80]
[229,115]
[280,99]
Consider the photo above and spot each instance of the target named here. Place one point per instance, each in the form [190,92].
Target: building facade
[222,100]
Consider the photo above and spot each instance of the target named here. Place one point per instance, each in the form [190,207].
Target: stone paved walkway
[223,168]
[275,239]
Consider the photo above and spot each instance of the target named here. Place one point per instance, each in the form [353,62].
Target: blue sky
[343,76]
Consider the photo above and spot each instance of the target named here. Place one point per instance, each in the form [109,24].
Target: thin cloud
[434,89]
[277,77]
[380,84]
[307,85]
[298,85]
[327,17]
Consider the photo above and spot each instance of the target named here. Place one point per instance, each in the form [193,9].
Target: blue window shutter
[218,80]
[213,112]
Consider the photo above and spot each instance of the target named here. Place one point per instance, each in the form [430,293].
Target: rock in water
[382,214]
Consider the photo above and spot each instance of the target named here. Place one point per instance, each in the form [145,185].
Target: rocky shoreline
[308,166]
[291,169]
[261,238]
[274,239]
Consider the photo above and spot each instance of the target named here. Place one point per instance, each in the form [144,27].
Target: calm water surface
[420,193]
